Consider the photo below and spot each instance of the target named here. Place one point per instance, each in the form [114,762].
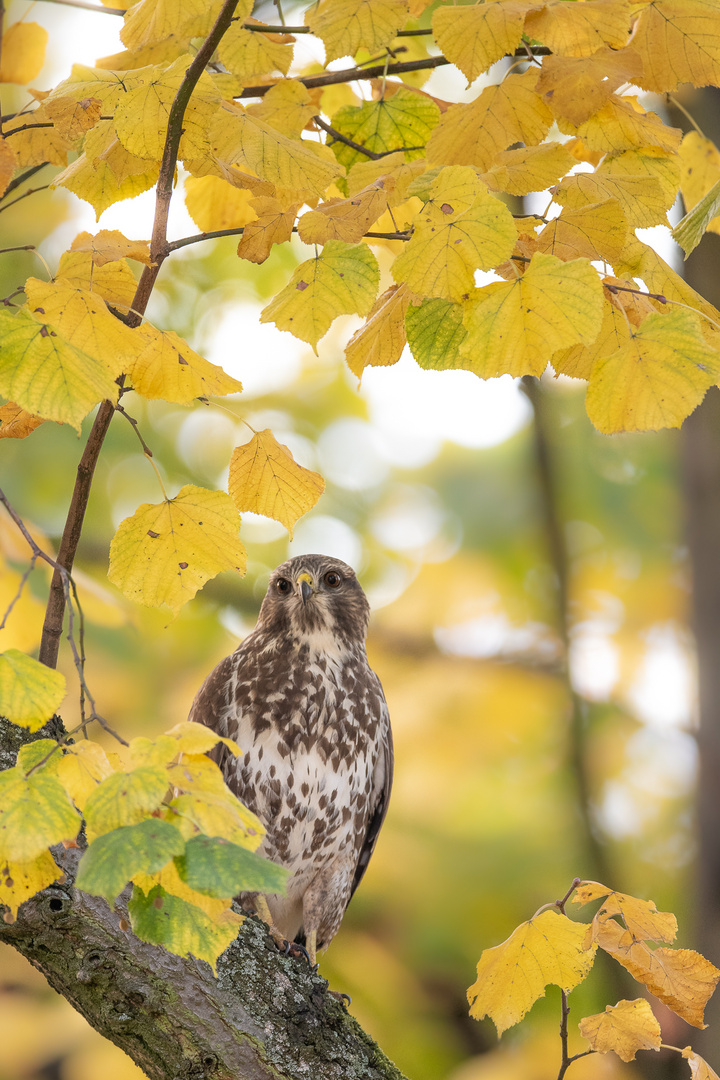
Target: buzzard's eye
[332,579]
[283,586]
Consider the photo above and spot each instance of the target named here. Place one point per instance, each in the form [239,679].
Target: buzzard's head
[317,599]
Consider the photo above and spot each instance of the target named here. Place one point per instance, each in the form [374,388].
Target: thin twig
[22,178]
[30,191]
[20,247]
[131,419]
[372,154]
[186,241]
[21,586]
[70,591]
[351,75]
[27,127]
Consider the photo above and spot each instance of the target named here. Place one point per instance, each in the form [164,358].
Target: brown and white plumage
[310,717]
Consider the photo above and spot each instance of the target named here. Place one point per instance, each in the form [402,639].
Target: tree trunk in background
[701,474]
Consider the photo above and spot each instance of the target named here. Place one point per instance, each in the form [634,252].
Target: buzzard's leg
[263,910]
[311,945]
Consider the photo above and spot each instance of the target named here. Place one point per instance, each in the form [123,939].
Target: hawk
[310,716]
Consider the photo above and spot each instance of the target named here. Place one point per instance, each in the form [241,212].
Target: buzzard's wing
[380,795]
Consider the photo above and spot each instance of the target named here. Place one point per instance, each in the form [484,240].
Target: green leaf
[343,279]
[125,799]
[216,867]
[405,119]
[30,692]
[182,928]
[690,230]
[435,332]
[114,858]
[36,813]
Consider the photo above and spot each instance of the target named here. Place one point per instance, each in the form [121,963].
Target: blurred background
[533,630]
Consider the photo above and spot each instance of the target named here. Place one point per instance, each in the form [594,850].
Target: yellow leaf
[474,37]
[512,976]
[649,162]
[151,21]
[109,245]
[214,204]
[141,118]
[114,282]
[344,26]
[110,87]
[458,232]
[73,118]
[700,171]
[196,772]
[48,376]
[286,107]
[341,280]
[16,423]
[678,41]
[624,1028]
[215,815]
[580,29]
[364,173]
[474,134]
[623,124]
[23,52]
[641,917]
[37,144]
[265,479]
[273,225]
[656,379]
[346,219]
[83,320]
[641,261]
[641,197]
[21,880]
[577,87]
[252,55]
[124,798]
[699,1068]
[598,231]
[167,368]
[8,164]
[164,553]
[35,813]
[578,361]
[30,692]
[82,766]
[190,738]
[237,137]
[381,340]
[105,173]
[530,168]
[681,978]
[516,327]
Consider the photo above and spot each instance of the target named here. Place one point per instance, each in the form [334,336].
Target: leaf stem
[681,108]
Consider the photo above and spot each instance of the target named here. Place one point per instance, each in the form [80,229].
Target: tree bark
[264,1017]
[701,483]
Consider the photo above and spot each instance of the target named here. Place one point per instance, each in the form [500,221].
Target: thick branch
[265,1016]
[52,627]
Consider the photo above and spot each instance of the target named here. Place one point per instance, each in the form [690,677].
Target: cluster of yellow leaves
[160,817]
[443,170]
[552,949]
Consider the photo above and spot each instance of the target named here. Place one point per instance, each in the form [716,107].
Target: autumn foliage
[409,206]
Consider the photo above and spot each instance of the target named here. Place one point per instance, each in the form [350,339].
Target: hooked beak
[305,582]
